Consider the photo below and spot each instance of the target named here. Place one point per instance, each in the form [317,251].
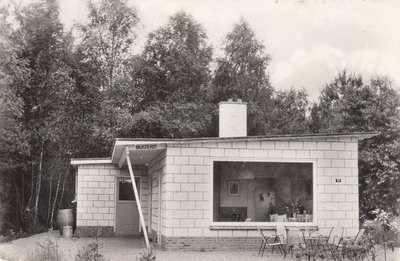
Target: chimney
[233,118]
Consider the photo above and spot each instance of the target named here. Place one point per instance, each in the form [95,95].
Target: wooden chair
[270,242]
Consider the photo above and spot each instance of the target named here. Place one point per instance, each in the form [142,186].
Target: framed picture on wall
[233,188]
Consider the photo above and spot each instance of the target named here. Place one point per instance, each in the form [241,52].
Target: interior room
[262,191]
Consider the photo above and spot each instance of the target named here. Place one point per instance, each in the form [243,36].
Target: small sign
[146,147]
[338,180]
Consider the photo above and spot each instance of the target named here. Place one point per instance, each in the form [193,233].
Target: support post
[128,162]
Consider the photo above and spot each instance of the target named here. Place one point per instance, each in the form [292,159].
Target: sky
[310,41]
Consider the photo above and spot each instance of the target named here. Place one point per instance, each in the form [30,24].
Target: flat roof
[122,142]
[362,135]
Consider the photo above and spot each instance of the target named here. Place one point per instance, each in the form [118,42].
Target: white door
[127,215]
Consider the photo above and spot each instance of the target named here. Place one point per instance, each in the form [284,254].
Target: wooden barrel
[65,217]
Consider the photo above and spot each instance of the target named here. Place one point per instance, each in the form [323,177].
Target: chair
[282,234]
[324,239]
[334,240]
[310,241]
[357,238]
[355,245]
[352,240]
[271,242]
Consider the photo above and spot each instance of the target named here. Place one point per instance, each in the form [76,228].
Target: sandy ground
[118,248]
[126,248]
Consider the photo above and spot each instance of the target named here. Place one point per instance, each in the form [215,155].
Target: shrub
[381,233]
[47,251]
[90,252]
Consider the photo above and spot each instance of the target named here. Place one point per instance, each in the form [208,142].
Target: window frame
[254,225]
[117,188]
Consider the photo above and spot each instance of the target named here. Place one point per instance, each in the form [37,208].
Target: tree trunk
[49,202]
[55,199]
[32,184]
[63,188]
[38,183]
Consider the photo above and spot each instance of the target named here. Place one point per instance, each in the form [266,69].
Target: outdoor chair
[325,239]
[310,241]
[287,242]
[353,241]
[334,240]
[355,245]
[270,242]
[356,239]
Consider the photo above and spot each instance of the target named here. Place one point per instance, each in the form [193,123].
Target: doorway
[127,214]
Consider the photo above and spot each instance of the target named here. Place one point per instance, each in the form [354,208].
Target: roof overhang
[142,150]
[88,161]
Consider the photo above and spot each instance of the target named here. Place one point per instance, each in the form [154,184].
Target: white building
[212,193]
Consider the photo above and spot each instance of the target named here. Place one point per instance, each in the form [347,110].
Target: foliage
[312,253]
[241,74]
[176,62]
[382,233]
[288,115]
[170,79]
[147,255]
[107,39]
[47,251]
[348,104]
[38,80]
[90,252]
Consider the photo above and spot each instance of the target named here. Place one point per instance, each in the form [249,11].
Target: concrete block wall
[96,196]
[157,169]
[186,200]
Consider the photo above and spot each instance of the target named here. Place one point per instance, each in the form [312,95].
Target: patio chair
[287,242]
[357,238]
[355,245]
[334,240]
[270,242]
[352,240]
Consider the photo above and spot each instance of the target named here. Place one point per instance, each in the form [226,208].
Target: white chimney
[233,118]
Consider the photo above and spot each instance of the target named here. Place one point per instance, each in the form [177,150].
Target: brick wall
[96,188]
[187,188]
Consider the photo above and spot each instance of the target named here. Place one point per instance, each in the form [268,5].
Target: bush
[48,251]
[90,252]
[381,233]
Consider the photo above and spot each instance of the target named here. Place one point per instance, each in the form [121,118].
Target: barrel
[65,217]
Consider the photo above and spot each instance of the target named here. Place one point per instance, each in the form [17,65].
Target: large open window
[262,191]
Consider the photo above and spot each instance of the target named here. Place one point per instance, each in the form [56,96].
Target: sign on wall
[154,146]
